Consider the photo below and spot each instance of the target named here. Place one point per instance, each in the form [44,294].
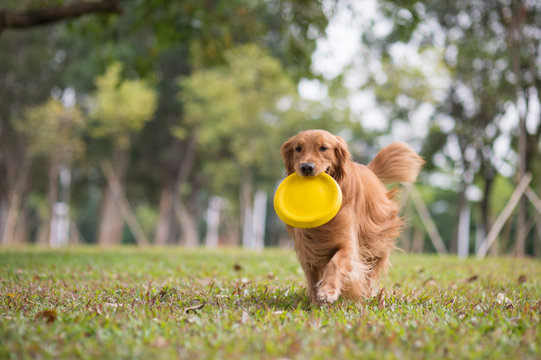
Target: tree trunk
[111,221]
[173,174]
[485,203]
[52,199]
[36,17]
[259,220]
[111,224]
[188,226]
[165,215]
[11,218]
[246,210]
[122,204]
[171,207]
[3,218]
[515,42]
[15,193]
[417,243]
[406,237]
[464,232]
[214,208]
[520,242]
[537,242]
[486,220]
[22,228]
[232,232]
[461,204]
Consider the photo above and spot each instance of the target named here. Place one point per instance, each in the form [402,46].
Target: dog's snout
[307,168]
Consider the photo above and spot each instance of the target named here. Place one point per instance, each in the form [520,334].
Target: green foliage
[235,110]
[408,85]
[478,45]
[147,216]
[52,129]
[120,107]
[155,42]
[231,304]
[239,63]
[503,188]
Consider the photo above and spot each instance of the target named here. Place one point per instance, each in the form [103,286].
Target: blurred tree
[28,74]
[234,110]
[119,108]
[241,113]
[52,131]
[172,38]
[521,21]
[479,56]
[196,34]
[162,39]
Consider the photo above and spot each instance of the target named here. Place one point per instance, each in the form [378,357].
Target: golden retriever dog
[346,255]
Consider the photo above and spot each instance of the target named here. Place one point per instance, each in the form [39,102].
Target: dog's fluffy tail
[397,162]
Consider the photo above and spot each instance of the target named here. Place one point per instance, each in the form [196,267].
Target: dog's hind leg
[357,284]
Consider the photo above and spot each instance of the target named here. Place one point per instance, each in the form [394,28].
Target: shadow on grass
[286,300]
[276,300]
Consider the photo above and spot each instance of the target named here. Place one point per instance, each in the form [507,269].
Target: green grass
[199,304]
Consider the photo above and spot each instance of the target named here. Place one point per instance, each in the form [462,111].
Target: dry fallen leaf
[194,308]
[112,305]
[245,317]
[160,342]
[48,315]
[472,278]
[381,295]
[522,279]
[237,267]
[501,299]
[98,309]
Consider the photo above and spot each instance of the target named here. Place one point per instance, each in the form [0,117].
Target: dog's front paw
[327,293]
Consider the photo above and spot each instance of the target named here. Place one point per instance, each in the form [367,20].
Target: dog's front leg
[312,277]
[334,276]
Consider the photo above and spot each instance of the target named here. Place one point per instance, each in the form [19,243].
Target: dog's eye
[323,148]
[298,149]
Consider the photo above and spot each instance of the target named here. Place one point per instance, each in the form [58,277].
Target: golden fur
[347,255]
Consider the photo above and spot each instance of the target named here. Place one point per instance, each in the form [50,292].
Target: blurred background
[160,122]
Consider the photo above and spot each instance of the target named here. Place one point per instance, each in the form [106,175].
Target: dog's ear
[341,154]
[287,155]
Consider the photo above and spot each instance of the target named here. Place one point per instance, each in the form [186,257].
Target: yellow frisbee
[307,202]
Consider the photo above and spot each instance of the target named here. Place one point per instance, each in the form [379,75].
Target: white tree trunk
[464,231]
[60,223]
[216,204]
[259,220]
[188,228]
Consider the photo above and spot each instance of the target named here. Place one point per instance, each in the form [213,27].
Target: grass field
[198,304]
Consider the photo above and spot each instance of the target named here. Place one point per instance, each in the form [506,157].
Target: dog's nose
[307,168]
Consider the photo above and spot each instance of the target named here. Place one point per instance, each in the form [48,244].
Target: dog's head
[311,152]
